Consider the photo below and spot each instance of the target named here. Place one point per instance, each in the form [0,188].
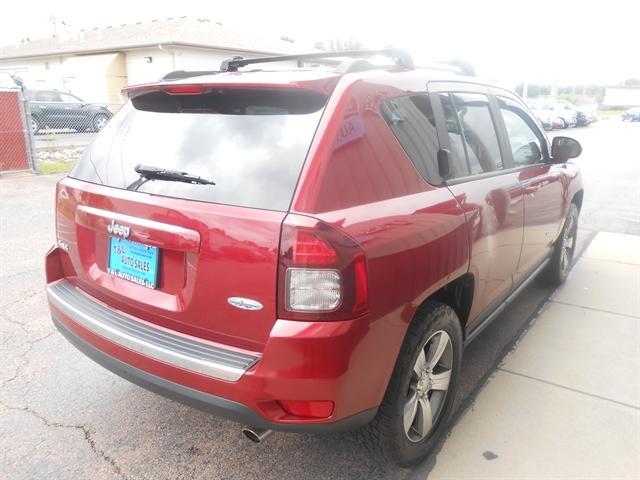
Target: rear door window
[251,143]
[412,122]
[46,96]
[68,98]
[478,132]
[458,163]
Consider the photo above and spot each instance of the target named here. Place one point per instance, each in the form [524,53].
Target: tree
[534,90]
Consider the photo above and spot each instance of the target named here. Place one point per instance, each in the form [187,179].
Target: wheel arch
[99,114]
[39,123]
[457,294]
[577,199]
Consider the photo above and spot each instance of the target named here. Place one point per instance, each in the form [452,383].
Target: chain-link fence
[15,136]
[47,130]
[63,124]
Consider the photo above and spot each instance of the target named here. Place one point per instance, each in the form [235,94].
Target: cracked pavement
[64,417]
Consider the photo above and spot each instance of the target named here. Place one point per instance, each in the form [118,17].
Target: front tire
[99,121]
[419,400]
[559,265]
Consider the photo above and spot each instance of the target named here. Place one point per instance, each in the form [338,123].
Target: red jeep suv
[309,249]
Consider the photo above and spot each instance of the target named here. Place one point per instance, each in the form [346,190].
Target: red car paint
[357,180]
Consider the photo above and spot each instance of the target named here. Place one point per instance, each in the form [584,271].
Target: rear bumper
[159,344]
[216,405]
[345,362]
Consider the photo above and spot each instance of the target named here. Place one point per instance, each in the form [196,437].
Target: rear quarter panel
[359,179]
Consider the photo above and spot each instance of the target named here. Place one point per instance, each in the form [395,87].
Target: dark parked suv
[54,109]
[309,250]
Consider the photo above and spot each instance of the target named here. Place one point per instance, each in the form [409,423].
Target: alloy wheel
[428,387]
[100,122]
[568,243]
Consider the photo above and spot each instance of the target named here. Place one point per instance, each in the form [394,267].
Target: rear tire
[416,408]
[35,125]
[99,121]
[559,265]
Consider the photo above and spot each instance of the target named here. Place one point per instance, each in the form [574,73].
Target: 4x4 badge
[117,229]
[244,303]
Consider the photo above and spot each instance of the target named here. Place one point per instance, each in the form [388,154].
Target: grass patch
[56,166]
[609,113]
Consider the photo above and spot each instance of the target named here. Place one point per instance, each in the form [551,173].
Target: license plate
[133,261]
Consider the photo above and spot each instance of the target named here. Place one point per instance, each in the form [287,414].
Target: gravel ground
[64,417]
[63,154]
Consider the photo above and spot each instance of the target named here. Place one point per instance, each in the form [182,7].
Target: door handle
[531,190]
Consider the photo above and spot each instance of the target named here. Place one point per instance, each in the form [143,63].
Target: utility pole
[53,20]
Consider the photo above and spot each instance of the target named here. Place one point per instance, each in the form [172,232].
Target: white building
[621,97]
[95,64]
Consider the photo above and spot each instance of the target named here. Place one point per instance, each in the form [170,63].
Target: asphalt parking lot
[63,417]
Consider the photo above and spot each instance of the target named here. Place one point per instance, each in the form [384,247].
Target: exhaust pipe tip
[256,435]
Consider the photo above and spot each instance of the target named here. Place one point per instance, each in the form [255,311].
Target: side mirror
[564,148]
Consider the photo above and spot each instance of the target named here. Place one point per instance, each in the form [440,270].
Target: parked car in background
[544,117]
[560,114]
[557,123]
[564,112]
[631,115]
[584,117]
[592,116]
[61,110]
[310,250]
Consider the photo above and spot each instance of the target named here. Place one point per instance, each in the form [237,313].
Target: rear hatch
[193,249]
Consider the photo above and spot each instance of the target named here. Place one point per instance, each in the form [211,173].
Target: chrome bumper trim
[180,351]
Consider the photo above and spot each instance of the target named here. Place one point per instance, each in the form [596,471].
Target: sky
[542,41]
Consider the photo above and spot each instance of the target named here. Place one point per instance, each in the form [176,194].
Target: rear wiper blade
[154,173]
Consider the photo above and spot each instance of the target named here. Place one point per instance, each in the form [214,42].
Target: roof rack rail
[178,74]
[399,56]
[460,67]
[466,68]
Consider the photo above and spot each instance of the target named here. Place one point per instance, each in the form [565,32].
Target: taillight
[308,249]
[322,272]
[132,91]
[312,289]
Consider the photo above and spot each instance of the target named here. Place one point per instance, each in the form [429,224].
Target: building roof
[187,31]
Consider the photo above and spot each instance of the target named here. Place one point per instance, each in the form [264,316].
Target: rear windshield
[251,143]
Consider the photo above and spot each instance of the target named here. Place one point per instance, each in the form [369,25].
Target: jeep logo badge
[244,303]
[117,229]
